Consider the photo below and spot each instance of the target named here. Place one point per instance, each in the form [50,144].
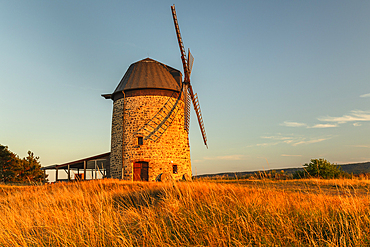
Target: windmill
[155,127]
[150,120]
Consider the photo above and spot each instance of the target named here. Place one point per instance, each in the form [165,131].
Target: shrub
[320,168]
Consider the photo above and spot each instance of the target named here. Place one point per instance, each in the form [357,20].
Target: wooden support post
[96,175]
[69,173]
[56,174]
[44,177]
[84,169]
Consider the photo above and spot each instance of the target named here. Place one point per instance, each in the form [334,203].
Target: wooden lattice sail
[187,65]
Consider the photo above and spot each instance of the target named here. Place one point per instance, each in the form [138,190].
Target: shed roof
[148,73]
[79,163]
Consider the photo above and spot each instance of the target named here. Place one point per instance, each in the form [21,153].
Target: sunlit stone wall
[171,149]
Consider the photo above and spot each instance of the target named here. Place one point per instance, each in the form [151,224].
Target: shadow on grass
[138,199]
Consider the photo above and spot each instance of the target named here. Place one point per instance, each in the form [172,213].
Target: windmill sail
[190,61]
[181,45]
[187,103]
[187,98]
[194,98]
[187,65]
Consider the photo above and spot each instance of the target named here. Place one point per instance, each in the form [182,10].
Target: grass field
[201,213]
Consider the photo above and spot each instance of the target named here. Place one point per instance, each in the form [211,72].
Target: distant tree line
[317,168]
[16,170]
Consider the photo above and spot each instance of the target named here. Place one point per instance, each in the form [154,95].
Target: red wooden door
[141,171]
[137,171]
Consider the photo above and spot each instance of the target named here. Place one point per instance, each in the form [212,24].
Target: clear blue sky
[279,82]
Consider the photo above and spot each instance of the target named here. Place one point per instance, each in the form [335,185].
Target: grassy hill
[355,168]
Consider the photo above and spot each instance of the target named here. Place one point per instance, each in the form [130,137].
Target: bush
[320,168]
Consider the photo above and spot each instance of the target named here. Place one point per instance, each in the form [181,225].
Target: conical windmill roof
[148,73]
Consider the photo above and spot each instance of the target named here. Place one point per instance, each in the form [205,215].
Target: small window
[174,169]
[140,141]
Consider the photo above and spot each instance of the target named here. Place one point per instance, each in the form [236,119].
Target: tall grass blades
[116,213]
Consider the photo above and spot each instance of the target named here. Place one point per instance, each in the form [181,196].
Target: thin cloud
[291,155]
[361,146]
[291,140]
[278,137]
[226,157]
[354,116]
[293,124]
[365,95]
[310,141]
[288,141]
[322,126]
[267,144]
[316,126]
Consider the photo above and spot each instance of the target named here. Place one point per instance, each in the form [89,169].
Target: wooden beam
[96,175]
[84,169]
[69,173]
[56,174]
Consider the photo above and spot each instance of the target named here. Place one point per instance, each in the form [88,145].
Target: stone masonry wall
[172,148]
[116,140]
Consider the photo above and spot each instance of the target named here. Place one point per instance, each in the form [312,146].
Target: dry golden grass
[246,213]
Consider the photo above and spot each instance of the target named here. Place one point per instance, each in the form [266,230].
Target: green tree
[8,163]
[30,169]
[14,169]
[320,168]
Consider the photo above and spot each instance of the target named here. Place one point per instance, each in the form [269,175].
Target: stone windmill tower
[150,121]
